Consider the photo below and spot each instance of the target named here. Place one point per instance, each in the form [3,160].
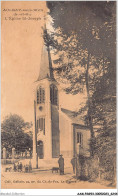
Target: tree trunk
[103,67]
[90,123]
[114,173]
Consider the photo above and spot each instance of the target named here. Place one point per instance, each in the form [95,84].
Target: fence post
[13,154]
[4,155]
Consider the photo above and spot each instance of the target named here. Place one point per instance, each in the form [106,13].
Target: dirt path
[45,179]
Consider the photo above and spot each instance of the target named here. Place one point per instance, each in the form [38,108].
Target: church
[56,130]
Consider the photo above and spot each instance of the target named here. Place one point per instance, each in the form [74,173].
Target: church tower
[46,141]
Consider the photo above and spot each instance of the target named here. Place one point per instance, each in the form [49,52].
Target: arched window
[80,138]
[53,94]
[41,125]
[40,95]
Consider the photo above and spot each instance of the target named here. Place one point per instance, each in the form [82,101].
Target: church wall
[66,146]
[55,131]
[45,113]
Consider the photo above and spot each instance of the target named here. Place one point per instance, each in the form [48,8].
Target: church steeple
[45,70]
[47,102]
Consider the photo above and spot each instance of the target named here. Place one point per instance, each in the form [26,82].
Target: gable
[72,116]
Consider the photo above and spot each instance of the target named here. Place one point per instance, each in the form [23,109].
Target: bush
[88,168]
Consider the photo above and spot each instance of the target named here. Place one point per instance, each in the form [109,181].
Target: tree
[84,44]
[13,133]
[104,110]
[82,40]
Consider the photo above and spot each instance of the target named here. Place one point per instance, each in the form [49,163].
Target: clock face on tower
[40,108]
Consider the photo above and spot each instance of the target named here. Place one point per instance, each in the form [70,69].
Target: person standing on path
[61,164]
[73,162]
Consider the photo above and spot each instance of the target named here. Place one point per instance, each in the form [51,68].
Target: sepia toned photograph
[58,95]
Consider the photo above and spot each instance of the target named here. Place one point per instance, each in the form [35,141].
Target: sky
[21,45]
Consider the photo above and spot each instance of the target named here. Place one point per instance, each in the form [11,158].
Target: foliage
[88,168]
[105,116]
[83,44]
[13,133]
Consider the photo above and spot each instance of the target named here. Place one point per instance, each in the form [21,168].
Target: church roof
[73,116]
[69,113]
[45,70]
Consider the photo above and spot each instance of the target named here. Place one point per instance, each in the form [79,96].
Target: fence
[13,155]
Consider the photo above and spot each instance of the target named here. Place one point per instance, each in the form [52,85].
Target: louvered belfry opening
[40,95]
[53,94]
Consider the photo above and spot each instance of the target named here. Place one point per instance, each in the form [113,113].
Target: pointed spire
[46,63]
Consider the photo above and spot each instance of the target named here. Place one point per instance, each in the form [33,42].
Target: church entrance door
[40,149]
